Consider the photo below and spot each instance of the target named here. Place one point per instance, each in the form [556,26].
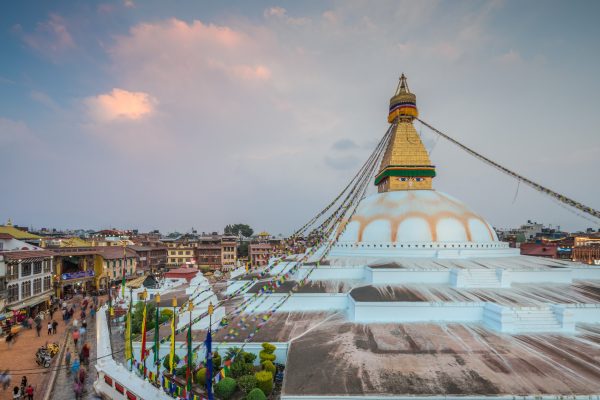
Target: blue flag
[209,364]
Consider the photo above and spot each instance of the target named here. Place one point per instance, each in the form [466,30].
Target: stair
[535,319]
[480,278]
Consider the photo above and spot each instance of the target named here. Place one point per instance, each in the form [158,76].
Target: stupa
[418,299]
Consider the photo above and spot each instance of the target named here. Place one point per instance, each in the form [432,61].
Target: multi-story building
[217,252]
[28,276]
[589,254]
[180,250]
[151,258]
[228,253]
[262,248]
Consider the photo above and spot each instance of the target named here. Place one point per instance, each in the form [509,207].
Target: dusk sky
[173,115]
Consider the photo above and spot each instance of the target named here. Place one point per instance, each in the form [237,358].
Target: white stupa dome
[421,223]
[416,216]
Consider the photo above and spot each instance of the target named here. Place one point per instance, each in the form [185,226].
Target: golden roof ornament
[405,164]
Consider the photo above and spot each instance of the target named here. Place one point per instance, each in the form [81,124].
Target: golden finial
[157,298]
[190,306]
[211,308]
[144,294]
[174,302]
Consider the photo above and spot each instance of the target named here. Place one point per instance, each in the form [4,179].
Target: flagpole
[190,378]
[209,359]
[156,338]
[172,355]
[130,325]
[143,350]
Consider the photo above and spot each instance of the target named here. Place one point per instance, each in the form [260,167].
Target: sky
[173,115]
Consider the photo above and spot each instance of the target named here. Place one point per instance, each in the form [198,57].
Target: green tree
[235,229]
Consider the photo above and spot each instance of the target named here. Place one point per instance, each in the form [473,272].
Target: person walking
[68,361]
[54,326]
[85,352]
[5,379]
[16,393]
[49,328]
[75,368]
[38,328]
[76,336]
[29,392]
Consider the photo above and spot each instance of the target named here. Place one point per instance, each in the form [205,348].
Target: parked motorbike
[42,358]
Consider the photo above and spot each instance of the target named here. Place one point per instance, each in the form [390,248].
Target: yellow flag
[172,355]
[128,351]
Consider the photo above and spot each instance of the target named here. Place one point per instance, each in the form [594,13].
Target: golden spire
[405,164]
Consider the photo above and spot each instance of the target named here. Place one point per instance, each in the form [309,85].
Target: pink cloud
[120,104]
[50,37]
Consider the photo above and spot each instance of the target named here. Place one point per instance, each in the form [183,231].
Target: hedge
[247,383]
[264,381]
[256,394]
[225,388]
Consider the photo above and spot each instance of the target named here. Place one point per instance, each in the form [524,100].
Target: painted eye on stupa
[403,179]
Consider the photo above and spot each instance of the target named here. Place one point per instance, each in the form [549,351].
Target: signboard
[77,275]
[596,262]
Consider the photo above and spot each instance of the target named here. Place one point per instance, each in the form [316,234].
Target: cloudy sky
[147,114]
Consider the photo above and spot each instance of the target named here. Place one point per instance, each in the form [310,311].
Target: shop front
[72,283]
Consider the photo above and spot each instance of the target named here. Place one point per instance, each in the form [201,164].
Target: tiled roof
[25,254]
[17,233]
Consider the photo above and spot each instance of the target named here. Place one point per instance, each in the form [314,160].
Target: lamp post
[144,296]
[190,375]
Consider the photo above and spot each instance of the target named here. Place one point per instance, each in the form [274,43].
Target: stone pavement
[63,386]
[20,359]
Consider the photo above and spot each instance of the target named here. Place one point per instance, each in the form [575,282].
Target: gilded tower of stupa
[405,164]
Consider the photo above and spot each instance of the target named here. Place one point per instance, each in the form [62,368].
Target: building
[18,233]
[229,254]
[588,254]
[217,252]
[180,250]
[27,277]
[548,250]
[261,248]
[151,258]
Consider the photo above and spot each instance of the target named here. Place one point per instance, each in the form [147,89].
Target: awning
[34,301]
[137,282]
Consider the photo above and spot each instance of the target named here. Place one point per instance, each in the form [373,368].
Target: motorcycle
[42,358]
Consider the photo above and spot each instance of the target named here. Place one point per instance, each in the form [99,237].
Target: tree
[138,313]
[235,229]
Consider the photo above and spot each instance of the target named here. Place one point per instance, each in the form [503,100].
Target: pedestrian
[75,323]
[10,339]
[78,390]
[75,368]
[93,313]
[75,336]
[49,328]
[68,361]
[85,352]
[54,326]
[23,384]
[29,392]
[81,375]
[82,332]
[5,380]
[16,393]
[84,324]
[52,312]
[38,328]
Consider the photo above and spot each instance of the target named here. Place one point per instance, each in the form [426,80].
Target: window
[180,252]
[37,267]
[46,283]
[25,289]
[26,269]
[13,293]
[37,285]
[131,261]
[187,253]
[47,266]
[12,272]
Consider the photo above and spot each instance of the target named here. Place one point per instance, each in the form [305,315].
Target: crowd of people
[78,349]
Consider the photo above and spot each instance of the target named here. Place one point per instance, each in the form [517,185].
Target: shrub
[225,388]
[264,381]
[201,377]
[268,347]
[167,360]
[216,361]
[232,352]
[240,368]
[269,366]
[247,383]
[181,371]
[249,358]
[256,394]
[264,356]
